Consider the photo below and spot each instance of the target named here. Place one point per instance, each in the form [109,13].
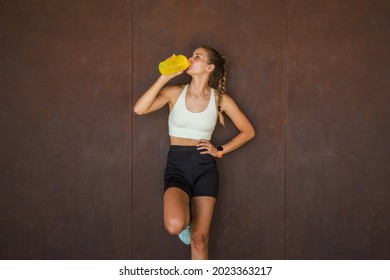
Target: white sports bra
[186,124]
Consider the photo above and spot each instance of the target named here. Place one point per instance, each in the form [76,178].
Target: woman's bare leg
[202,208]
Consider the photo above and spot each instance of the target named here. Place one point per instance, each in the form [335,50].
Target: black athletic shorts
[192,172]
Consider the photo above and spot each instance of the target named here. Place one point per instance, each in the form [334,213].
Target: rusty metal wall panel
[338,130]
[249,219]
[65,163]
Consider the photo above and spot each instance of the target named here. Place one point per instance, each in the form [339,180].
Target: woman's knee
[174,225]
[199,241]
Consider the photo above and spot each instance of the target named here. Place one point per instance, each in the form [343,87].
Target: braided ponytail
[221,89]
[217,79]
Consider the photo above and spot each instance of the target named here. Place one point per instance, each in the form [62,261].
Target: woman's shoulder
[172,92]
[225,97]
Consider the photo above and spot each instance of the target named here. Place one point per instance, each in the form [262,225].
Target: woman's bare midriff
[177,141]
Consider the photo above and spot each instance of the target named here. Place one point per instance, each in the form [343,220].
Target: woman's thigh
[176,209]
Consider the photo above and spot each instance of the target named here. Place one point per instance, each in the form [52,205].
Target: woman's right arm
[154,98]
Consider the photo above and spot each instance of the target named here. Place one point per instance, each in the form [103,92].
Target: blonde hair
[217,78]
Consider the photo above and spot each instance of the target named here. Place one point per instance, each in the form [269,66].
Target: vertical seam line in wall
[285,129]
[132,130]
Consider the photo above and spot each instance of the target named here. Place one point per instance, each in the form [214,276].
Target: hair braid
[217,79]
[221,90]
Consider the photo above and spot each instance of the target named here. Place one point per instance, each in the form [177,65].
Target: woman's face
[199,62]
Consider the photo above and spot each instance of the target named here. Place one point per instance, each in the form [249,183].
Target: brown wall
[66,139]
[81,176]
[338,132]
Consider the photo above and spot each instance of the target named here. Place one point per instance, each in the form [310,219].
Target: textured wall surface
[338,132]
[65,129]
[81,176]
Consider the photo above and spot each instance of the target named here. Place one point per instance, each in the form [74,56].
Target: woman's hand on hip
[207,148]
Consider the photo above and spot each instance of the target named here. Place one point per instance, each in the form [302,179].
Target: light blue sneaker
[185,235]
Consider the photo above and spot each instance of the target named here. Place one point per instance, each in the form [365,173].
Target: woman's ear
[210,68]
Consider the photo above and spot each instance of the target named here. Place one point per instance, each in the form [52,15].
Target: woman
[191,175]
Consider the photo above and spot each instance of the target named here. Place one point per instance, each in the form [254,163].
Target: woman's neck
[199,87]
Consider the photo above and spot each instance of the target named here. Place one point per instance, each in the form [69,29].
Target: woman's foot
[185,235]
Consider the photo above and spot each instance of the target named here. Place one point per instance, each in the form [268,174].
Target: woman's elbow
[248,134]
[252,134]
[138,111]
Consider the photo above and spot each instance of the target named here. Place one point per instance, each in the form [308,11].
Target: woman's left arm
[247,132]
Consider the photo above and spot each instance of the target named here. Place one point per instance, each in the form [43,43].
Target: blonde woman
[191,174]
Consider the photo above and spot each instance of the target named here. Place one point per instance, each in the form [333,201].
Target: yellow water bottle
[173,64]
